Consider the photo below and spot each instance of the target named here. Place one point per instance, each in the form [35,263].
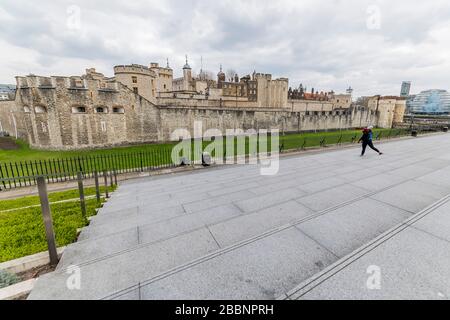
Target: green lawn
[291,140]
[22,231]
[26,162]
[312,139]
[52,197]
[25,153]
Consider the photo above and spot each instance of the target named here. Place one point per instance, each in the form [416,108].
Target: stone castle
[145,104]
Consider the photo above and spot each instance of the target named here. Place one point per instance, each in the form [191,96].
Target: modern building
[430,102]
[406,88]
[7,92]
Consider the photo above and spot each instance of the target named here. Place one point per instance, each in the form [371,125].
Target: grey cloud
[321,43]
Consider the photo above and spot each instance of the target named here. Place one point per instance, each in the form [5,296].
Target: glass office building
[429,102]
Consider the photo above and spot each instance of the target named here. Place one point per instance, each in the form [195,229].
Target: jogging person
[366,139]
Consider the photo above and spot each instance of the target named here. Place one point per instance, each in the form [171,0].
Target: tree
[206,75]
[230,74]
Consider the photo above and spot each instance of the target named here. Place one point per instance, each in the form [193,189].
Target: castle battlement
[70,83]
[134,68]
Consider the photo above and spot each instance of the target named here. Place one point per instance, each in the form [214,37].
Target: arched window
[26,109]
[101,110]
[118,110]
[78,109]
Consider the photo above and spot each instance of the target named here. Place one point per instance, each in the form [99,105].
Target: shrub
[7,279]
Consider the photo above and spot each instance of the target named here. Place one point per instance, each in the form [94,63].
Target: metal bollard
[97,187]
[111,180]
[105,176]
[81,191]
[48,222]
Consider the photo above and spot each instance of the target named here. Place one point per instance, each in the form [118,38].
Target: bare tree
[206,75]
[230,73]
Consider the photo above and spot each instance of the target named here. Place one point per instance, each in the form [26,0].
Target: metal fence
[23,173]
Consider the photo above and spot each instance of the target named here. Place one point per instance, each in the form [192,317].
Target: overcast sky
[369,45]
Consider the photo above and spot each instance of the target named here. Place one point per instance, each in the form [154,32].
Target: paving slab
[379,182]
[249,225]
[260,202]
[412,265]
[250,272]
[412,196]
[345,229]
[437,224]
[332,197]
[101,278]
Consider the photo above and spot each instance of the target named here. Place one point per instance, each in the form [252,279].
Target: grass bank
[22,231]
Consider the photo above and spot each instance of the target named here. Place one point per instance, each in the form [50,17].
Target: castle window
[78,109]
[118,110]
[40,109]
[101,110]
[134,79]
[135,90]
[26,109]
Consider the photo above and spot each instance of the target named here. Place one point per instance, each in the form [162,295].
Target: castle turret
[187,75]
[220,78]
[140,79]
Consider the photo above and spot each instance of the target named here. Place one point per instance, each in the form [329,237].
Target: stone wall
[10,121]
[73,113]
[173,118]
[66,117]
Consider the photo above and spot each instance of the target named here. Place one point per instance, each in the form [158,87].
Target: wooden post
[48,222]
[115,177]
[81,191]
[97,187]
[105,176]
[111,180]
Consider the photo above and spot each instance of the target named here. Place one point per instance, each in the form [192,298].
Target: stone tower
[187,76]
[220,78]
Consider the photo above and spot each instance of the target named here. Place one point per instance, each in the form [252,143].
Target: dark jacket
[366,137]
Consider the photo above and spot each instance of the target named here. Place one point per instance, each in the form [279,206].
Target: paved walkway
[411,261]
[230,233]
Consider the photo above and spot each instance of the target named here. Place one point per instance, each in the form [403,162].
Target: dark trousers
[370,144]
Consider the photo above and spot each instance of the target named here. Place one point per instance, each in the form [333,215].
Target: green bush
[7,279]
